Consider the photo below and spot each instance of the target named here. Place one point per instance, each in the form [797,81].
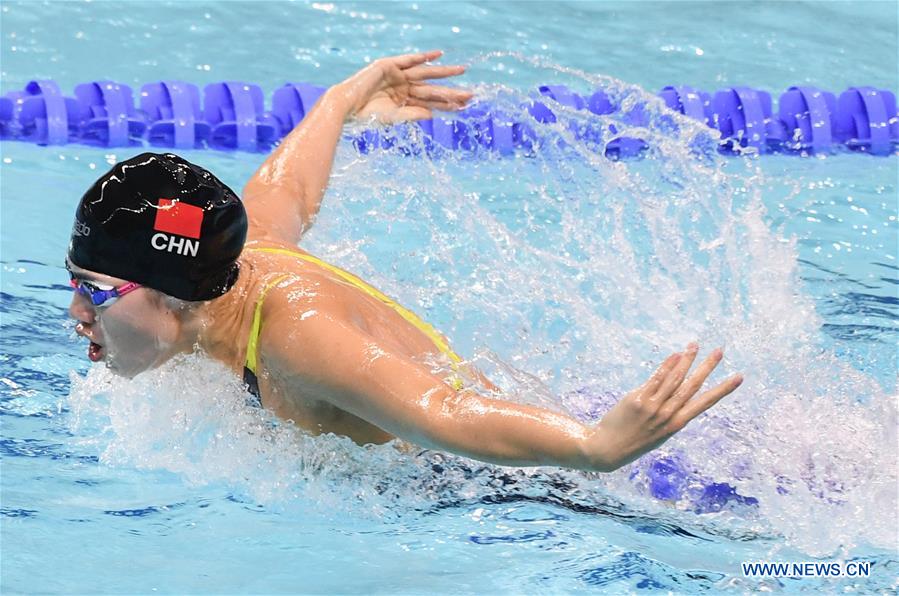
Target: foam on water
[567,277]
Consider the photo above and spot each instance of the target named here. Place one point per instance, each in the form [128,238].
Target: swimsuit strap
[358,283]
[408,315]
[253,342]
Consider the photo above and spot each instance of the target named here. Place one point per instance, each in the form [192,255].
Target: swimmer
[165,259]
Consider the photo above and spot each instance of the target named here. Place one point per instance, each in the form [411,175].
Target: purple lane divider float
[866,120]
[231,116]
[42,115]
[111,119]
[172,109]
[292,102]
[6,118]
[236,113]
[808,112]
[688,101]
[743,117]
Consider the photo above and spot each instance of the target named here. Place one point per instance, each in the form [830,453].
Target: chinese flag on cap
[178,218]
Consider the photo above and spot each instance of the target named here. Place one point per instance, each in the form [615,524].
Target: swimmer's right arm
[505,433]
[284,195]
[406,399]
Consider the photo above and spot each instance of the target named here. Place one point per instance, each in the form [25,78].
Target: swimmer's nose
[81,309]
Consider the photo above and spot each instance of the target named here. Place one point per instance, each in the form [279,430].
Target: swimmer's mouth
[95,352]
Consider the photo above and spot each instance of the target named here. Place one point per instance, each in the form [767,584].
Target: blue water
[564,276]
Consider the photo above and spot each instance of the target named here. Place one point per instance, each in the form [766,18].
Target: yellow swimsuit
[253,342]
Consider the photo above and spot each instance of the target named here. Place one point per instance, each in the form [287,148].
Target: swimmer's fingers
[693,384]
[405,61]
[703,402]
[439,93]
[446,106]
[417,110]
[425,72]
[410,112]
[677,374]
[652,384]
[414,66]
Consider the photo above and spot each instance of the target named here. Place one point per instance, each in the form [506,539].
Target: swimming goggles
[99,294]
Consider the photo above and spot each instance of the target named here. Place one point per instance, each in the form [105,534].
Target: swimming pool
[563,275]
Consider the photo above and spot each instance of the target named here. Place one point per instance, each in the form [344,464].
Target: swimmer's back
[311,286]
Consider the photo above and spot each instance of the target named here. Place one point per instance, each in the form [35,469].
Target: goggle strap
[128,287]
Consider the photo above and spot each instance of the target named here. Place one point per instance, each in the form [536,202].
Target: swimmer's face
[131,334]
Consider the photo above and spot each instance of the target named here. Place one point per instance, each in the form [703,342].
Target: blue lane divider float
[292,102]
[42,115]
[865,118]
[809,113]
[173,113]
[6,118]
[744,118]
[669,478]
[232,116]
[111,120]
[236,113]
[689,101]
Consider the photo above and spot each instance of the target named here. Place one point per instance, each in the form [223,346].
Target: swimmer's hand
[393,89]
[648,416]
[285,194]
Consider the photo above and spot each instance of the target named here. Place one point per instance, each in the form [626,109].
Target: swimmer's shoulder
[301,297]
[269,245]
[271,257]
[292,284]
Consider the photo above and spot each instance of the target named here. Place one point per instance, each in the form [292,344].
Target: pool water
[565,276]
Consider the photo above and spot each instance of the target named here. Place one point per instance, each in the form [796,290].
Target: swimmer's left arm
[284,195]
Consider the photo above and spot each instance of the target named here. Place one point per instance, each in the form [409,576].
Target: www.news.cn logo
[807,569]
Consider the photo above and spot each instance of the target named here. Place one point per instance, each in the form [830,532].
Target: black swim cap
[163,222]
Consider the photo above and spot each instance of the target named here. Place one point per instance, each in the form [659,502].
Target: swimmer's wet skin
[166,259]
[249,372]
